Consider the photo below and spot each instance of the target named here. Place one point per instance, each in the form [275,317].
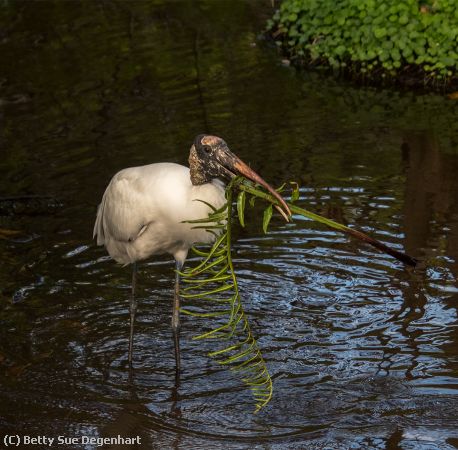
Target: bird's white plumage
[143,209]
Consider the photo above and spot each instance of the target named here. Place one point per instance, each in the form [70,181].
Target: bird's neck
[197,176]
[196,170]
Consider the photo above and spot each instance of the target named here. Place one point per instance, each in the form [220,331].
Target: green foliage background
[386,37]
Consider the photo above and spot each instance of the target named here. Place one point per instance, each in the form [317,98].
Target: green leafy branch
[247,188]
[213,289]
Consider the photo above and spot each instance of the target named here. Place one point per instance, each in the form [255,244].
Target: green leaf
[241,207]
[396,55]
[266,219]
[380,33]
[404,19]
[281,188]
[295,194]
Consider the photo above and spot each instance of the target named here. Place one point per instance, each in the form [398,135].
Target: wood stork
[144,209]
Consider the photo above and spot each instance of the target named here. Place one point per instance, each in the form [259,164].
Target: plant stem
[406,259]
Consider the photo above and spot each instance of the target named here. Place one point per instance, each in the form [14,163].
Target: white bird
[144,209]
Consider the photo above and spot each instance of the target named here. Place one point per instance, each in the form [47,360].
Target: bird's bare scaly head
[211,158]
[203,160]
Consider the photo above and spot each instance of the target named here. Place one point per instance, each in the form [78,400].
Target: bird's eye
[207,149]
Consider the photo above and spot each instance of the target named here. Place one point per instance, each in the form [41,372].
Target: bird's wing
[125,210]
[138,196]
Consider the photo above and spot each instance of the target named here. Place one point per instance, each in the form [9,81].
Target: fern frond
[258,192]
[213,282]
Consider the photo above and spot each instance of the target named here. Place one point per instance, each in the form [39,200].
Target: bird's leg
[133,309]
[176,318]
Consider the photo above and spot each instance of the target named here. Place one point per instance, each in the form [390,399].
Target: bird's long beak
[234,165]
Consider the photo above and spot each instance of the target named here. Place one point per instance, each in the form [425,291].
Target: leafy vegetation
[212,289]
[384,38]
[213,282]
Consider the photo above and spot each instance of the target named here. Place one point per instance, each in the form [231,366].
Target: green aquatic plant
[212,285]
[386,38]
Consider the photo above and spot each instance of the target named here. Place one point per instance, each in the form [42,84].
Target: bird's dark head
[211,158]
[205,159]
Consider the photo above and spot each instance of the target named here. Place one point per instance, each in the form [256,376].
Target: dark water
[363,352]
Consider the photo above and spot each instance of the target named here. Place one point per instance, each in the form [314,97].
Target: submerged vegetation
[412,42]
